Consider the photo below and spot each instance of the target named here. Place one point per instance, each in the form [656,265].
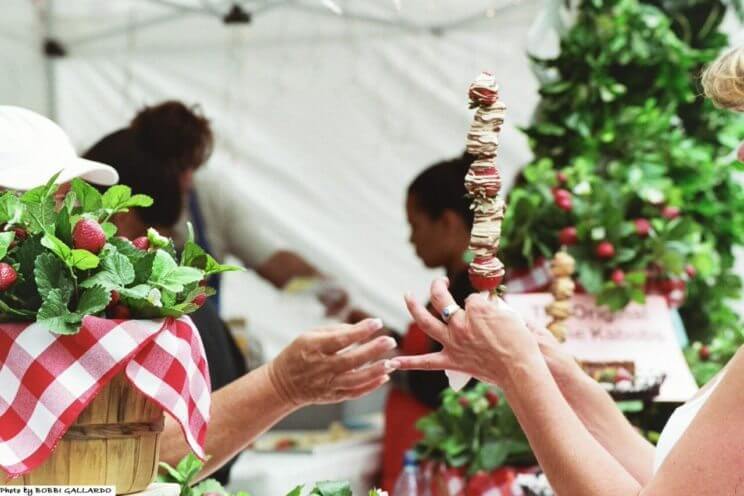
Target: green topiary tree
[634,170]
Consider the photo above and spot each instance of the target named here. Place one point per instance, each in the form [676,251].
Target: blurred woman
[582,441]
[440,219]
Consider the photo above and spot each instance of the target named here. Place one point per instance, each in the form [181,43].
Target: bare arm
[241,411]
[283,266]
[597,410]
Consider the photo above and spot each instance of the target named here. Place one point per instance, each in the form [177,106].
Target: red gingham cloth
[47,380]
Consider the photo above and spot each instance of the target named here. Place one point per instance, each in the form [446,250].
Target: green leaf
[83,259]
[493,454]
[40,213]
[63,227]
[332,488]
[208,486]
[614,297]
[6,239]
[93,300]
[89,197]
[109,229]
[55,315]
[590,276]
[175,475]
[189,467]
[51,273]
[156,239]
[116,272]
[297,491]
[140,201]
[116,196]
[169,275]
[11,209]
[58,247]
[18,313]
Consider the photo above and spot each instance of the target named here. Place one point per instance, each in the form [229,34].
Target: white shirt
[231,228]
[680,421]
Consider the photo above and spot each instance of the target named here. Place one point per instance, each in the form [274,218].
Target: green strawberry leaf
[6,239]
[143,201]
[156,239]
[214,267]
[90,198]
[139,292]
[83,259]
[51,273]
[331,488]
[297,491]
[63,227]
[143,268]
[116,196]
[18,312]
[11,209]
[169,275]
[40,213]
[116,272]
[93,301]
[109,229]
[55,315]
[58,247]
[493,454]
[193,256]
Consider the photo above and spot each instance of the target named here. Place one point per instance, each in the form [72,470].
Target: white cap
[33,149]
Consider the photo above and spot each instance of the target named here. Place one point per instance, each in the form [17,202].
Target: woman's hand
[563,367]
[484,341]
[324,366]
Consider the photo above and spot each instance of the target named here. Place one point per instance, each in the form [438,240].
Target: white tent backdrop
[322,120]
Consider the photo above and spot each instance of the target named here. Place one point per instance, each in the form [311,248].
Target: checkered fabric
[47,380]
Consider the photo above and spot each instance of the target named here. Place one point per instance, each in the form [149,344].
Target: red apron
[402,411]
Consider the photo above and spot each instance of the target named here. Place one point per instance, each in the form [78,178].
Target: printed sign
[641,333]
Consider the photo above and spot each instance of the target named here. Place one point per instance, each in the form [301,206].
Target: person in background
[440,219]
[179,139]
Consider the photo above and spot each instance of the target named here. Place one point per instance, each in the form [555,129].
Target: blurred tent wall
[322,118]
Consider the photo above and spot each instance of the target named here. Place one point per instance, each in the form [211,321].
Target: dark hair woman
[440,219]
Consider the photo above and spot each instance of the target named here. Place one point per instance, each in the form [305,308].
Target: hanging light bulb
[333,7]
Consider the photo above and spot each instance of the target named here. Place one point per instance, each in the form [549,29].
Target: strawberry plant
[475,430]
[633,169]
[60,263]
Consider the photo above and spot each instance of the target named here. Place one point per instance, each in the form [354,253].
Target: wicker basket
[115,441]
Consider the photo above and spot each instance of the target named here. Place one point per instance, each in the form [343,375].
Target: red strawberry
[561,194]
[670,212]
[482,283]
[88,235]
[691,271]
[20,233]
[618,276]
[479,484]
[199,299]
[605,250]
[561,177]
[8,276]
[704,353]
[120,311]
[463,401]
[623,375]
[493,398]
[141,243]
[643,227]
[567,236]
[564,204]
[115,297]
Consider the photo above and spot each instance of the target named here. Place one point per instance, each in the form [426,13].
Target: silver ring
[449,311]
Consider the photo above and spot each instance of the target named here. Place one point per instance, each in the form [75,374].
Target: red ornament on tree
[642,227]
[670,212]
[618,276]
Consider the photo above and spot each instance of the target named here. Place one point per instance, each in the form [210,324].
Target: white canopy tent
[322,118]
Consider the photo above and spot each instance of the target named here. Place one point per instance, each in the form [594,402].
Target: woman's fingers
[441,299]
[350,394]
[425,320]
[343,336]
[430,361]
[362,354]
[362,376]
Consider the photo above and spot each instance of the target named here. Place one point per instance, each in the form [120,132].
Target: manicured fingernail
[388,366]
[394,364]
[375,323]
[385,379]
[389,343]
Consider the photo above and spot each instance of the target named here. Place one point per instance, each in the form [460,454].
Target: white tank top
[680,421]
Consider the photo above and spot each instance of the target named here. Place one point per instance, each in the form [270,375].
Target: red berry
[691,271]
[560,194]
[605,250]
[561,177]
[199,299]
[567,236]
[704,353]
[482,283]
[618,276]
[670,212]
[479,484]
[622,374]
[565,204]
[88,235]
[20,233]
[120,312]
[493,398]
[141,243]
[463,401]
[8,276]
[115,297]
[643,227]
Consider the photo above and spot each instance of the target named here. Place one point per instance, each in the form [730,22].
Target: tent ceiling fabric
[322,120]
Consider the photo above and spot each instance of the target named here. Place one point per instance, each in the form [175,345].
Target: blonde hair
[723,80]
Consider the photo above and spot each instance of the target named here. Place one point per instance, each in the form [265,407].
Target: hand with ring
[483,340]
